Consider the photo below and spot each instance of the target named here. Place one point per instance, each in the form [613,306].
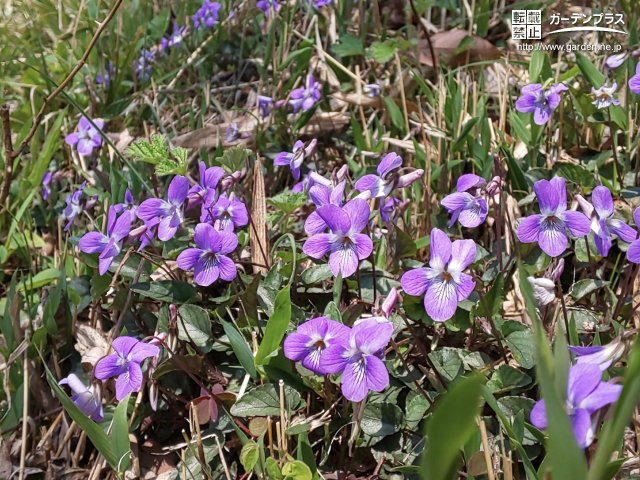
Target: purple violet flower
[603,225]
[388,208]
[209,261]
[466,205]
[540,101]
[129,204]
[109,245]
[45,192]
[311,339]
[601,355]
[549,227]
[614,61]
[205,191]
[372,90]
[74,206]
[168,214]
[105,79]
[207,15]
[443,283]
[320,3]
[265,105]
[361,361]
[634,81]
[125,364]
[604,96]
[86,138]
[267,5]
[633,253]
[345,242]
[86,398]
[294,159]
[230,212]
[304,98]
[382,184]
[177,36]
[586,394]
[322,194]
[143,66]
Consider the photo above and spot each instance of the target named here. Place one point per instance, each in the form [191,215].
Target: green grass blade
[276,328]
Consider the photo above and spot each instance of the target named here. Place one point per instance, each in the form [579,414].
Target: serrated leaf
[382,52]
[288,201]
[234,159]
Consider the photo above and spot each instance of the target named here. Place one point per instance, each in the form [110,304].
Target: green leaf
[395,113]
[575,173]
[120,435]
[349,46]
[589,70]
[249,455]
[522,346]
[382,52]
[194,325]
[94,432]
[276,328]
[535,66]
[450,427]
[296,470]
[169,291]
[234,158]
[316,274]
[507,378]
[40,279]
[288,201]
[491,303]
[381,419]
[264,401]
[519,127]
[273,469]
[584,287]
[464,134]
[149,151]
[240,348]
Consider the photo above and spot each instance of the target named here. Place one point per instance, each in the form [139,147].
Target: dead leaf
[324,122]
[359,99]
[258,235]
[91,345]
[210,136]
[446,48]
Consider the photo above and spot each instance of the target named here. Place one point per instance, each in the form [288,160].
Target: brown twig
[8,153]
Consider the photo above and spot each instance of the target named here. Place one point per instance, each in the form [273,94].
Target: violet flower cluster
[540,100]
[87,137]
[468,205]
[328,347]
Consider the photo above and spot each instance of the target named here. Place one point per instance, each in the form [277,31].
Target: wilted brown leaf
[324,122]
[258,229]
[456,47]
[91,345]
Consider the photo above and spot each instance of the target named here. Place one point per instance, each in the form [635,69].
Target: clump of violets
[86,397]
[311,339]
[304,98]
[295,158]
[125,364]
[603,224]
[539,100]
[168,214]
[207,15]
[74,206]
[467,205]
[209,259]
[443,283]
[634,81]
[87,137]
[109,245]
[549,228]
[361,360]
[604,96]
[587,394]
[346,245]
